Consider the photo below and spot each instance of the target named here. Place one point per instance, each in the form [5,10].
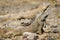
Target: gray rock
[26,22]
[30,36]
[52,23]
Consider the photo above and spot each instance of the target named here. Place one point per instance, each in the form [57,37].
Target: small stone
[26,22]
[30,36]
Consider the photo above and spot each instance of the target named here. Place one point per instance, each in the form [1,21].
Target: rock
[30,36]
[52,21]
[26,22]
[49,36]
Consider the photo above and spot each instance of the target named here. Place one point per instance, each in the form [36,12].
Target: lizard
[33,26]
